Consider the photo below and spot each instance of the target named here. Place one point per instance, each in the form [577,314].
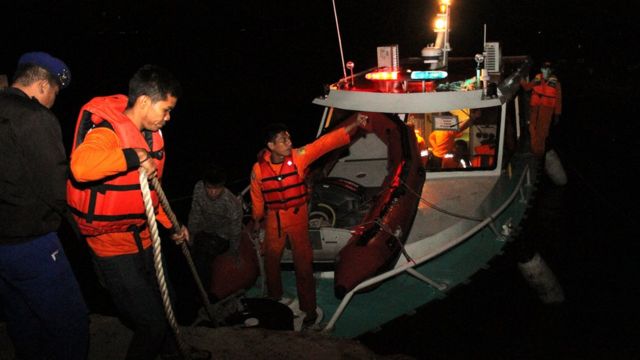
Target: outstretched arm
[360,121]
[333,140]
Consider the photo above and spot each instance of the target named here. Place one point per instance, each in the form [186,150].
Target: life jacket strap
[136,230]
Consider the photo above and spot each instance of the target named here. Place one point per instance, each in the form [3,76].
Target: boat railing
[408,267]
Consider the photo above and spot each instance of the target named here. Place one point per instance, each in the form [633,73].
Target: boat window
[463,139]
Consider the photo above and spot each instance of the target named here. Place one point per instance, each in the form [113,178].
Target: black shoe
[313,321]
[310,319]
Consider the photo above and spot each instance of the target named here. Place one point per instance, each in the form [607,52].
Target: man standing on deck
[279,196]
[45,312]
[545,106]
[115,136]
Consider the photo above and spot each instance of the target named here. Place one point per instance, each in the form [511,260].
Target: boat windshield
[463,139]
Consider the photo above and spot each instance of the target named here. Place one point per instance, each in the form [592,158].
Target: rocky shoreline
[109,340]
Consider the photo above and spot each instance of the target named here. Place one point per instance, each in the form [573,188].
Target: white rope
[157,261]
[256,241]
[183,245]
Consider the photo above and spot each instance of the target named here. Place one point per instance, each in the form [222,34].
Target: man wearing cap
[46,314]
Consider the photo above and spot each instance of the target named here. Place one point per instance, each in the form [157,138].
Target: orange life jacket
[484,156]
[544,93]
[115,203]
[285,190]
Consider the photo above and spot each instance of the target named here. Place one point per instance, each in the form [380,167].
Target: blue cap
[53,65]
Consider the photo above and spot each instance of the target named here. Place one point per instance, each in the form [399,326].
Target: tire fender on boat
[553,168]
[540,277]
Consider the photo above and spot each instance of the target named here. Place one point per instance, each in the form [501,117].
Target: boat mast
[335,14]
[437,54]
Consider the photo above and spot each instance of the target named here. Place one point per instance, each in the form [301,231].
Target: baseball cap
[53,65]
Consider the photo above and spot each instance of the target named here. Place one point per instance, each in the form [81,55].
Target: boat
[392,228]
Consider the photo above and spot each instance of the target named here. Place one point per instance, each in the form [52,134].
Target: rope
[157,261]
[183,245]
[492,225]
[255,240]
[386,229]
[434,207]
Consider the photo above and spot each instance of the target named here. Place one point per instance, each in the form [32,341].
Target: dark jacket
[33,168]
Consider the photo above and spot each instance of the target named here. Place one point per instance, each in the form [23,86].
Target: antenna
[335,14]
[484,39]
[491,52]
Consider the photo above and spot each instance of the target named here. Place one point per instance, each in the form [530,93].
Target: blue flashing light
[428,75]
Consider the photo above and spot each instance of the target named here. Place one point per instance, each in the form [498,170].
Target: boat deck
[449,208]
[456,198]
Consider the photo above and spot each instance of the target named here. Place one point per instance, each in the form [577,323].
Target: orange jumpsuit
[546,101]
[443,141]
[293,222]
[100,155]
[484,156]
[422,147]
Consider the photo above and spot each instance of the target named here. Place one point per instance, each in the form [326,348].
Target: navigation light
[428,75]
[382,75]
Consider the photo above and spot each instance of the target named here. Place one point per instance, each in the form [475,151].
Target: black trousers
[131,282]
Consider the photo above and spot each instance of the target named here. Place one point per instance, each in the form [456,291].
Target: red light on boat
[382,75]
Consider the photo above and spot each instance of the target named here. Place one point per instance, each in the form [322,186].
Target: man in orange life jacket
[545,106]
[442,142]
[115,136]
[279,195]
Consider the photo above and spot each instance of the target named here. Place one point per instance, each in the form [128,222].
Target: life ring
[324,217]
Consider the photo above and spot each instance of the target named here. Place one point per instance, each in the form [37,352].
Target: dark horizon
[252,62]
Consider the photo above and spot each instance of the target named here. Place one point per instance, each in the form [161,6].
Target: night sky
[244,64]
[247,60]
